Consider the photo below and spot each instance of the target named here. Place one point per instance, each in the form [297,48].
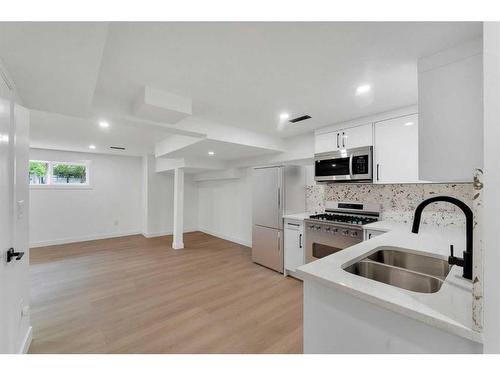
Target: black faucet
[466,261]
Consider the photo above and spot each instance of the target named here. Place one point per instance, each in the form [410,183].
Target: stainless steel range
[339,227]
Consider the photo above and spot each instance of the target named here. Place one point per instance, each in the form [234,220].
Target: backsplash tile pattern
[398,201]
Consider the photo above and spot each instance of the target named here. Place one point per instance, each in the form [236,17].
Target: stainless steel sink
[414,262]
[394,276]
[418,273]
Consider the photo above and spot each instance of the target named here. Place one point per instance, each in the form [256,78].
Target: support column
[178,241]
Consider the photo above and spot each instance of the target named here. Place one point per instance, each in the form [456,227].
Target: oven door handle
[350,166]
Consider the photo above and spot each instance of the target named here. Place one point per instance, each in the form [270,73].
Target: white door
[14,294]
[396,150]
[358,136]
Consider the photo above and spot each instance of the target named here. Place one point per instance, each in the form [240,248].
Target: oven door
[322,241]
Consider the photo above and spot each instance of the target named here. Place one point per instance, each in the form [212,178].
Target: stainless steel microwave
[353,164]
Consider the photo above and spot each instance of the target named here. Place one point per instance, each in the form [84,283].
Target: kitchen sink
[418,273]
[414,262]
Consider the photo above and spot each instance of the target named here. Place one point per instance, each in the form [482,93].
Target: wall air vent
[301,118]
[117,148]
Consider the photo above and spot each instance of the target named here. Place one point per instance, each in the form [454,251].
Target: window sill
[61,187]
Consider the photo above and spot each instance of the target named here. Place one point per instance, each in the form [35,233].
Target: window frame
[49,185]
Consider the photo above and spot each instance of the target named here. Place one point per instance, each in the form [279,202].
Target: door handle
[343,140]
[338,140]
[378,165]
[11,253]
[300,241]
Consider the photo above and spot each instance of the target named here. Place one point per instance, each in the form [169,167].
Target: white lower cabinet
[370,233]
[294,245]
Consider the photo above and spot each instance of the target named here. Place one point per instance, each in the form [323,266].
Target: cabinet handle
[369,236]
[338,140]
[343,140]
[300,241]
[378,167]
[279,197]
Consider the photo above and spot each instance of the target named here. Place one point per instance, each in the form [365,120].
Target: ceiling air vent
[301,118]
[117,148]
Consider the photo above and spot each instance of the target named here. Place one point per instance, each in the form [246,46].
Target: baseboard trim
[63,241]
[227,238]
[166,233]
[25,346]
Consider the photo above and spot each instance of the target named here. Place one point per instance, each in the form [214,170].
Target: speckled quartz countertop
[449,309]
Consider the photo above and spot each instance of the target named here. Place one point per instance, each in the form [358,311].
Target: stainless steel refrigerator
[276,191]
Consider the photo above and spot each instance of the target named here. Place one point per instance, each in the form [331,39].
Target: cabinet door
[450,104]
[327,142]
[294,246]
[396,150]
[369,234]
[358,136]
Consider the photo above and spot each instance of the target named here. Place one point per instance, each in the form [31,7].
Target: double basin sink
[403,269]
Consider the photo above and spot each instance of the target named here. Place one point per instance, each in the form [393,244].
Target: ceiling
[237,74]
[61,132]
[223,150]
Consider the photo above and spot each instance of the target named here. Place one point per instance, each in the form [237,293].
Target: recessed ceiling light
[92,147]
[104,124]
[211,153]
[410,123]
[363,89]
[284,116]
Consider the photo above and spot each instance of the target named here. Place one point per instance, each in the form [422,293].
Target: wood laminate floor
[137,295]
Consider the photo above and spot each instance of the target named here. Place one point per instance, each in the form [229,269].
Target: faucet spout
[466,261]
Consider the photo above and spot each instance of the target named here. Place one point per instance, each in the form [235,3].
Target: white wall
[159,201]
[111,207]
[225,208]
[491,196]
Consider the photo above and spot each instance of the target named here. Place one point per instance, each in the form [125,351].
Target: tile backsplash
[398,201]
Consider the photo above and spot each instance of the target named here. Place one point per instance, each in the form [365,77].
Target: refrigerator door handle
[279,197]
[279,242]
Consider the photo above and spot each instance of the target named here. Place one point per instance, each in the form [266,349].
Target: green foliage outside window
[68,171]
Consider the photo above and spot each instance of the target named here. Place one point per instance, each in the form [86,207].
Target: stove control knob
[317,227]
[328,229]
[345,232]
[335,230]
[354,234]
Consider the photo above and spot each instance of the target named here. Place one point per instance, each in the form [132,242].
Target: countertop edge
[456,329]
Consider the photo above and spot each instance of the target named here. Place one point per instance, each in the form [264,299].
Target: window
[38,172]
[58,174]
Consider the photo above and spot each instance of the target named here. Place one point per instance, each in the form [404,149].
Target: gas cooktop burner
[349,219]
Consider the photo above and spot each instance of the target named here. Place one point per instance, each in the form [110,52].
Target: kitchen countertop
[449,309]
[299,216]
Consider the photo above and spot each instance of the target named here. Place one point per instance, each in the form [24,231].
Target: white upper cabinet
[352,137]
[396,150]
[451,114]
[358,136]
[326,142]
